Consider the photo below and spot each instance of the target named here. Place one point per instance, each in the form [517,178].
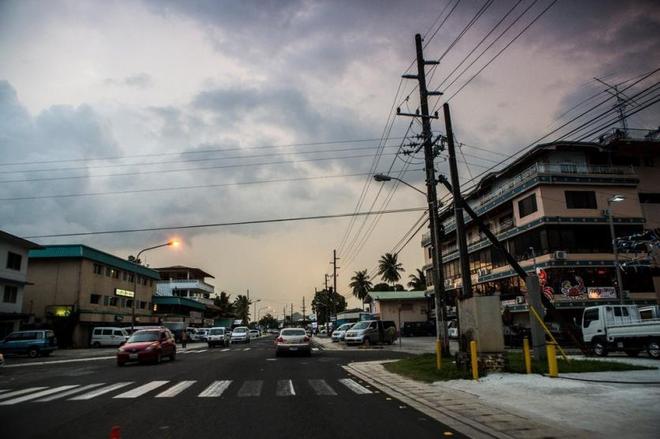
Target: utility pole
[458,208]
[435,227]
[303,310]
[334,281]
[292,313]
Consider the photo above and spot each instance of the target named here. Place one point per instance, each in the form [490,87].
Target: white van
[108,337]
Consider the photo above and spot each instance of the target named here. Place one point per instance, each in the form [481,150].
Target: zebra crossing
[171,389]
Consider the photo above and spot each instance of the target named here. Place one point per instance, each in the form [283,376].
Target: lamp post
[615,199]
[171,243]
[255,308]
[438,286]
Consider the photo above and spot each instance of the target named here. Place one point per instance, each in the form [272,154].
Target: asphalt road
[243,392]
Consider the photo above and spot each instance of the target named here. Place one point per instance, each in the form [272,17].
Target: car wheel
[600,348]
[96,344]
[654,349]
[173,356]
[308,353]
[210,346]
[33,352]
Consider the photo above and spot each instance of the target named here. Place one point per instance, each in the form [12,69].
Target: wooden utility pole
[303,310]
[334,282]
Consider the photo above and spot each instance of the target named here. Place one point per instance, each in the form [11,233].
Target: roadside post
[438,354]
[553,371]
[474,360]
[535,309]
[527,356]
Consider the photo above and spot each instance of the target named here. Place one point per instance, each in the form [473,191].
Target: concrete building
[409,306]
[74,288]
[13,278]
[549,209]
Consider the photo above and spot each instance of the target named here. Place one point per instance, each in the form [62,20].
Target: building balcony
[167,287]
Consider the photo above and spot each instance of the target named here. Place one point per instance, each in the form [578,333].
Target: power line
[227,224]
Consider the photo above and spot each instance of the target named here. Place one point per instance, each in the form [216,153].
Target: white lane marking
[246,349]
[224,350]
[37,395]
[69,392]
[4,390]
[74,360]
[285,388]
[215,389]
[139,391]
[322,388]
[20,392]
[250,388]
[201,350]
[271,359]
[315,349]
[355,387]
[101,391]
[175,389]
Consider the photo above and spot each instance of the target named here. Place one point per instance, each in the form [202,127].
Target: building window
[143,305]
[11,294]
[108,271]
[114,273]
[649,198]
[505,222]
[95,299]
[430,249]
[580,199]
[144,281]
[124,275]
[14,261]
[129,303]
[131,277]
[106,300]
[527,206]
[98,269]
[113,301]
[151,282]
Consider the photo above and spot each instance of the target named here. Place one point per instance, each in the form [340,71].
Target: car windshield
[345,327]
[361,325]
[293,332]
[240,331]
[144,336]
[217,331]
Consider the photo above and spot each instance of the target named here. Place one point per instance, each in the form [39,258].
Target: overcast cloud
[189,85]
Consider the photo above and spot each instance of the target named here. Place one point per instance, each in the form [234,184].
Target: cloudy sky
[190,110]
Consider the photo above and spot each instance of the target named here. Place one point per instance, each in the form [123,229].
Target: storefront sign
[124,293]
[506,303]
[601,292]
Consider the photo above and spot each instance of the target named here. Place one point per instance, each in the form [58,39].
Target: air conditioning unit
[560,255]
[449,283]
[483,272]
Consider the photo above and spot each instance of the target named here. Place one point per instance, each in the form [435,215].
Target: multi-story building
[183,295]
[74,288]
[13,278]
[550,209]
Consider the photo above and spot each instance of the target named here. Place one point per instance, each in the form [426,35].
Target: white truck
[609,328]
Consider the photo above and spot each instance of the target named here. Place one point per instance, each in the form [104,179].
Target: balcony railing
[187,284]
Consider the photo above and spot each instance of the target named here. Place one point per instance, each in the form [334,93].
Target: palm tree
[242,308]
[417,281]
[389,268]
[361,285]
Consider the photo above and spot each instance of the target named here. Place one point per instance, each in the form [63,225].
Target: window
[122,302]
[106,300]
[95,299]
[144,281]
[118,332]
[527,206]
[114,273]
[108,271]
[430,250]
[98,269]
[590,315]
[97,331]
[107,332]
[14,261]
[151,282]
[649,198]
[143,305]
[129,303]
[131,277]
[11,294]
[124,275]
[505,222]
[113,301]
[580,199]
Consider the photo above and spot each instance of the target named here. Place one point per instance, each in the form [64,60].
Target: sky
[156,98]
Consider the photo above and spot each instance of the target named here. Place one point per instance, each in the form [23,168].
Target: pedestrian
[184,339]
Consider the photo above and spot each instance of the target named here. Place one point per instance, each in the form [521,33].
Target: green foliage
[241,307]
[226,307]
[417,281]
[389,268]
[382,287]
[422,368]
[268,321]
[325,303]
[360,284]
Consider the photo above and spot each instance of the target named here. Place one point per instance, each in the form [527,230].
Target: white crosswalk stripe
[322,388]
[20,392]
[285,388]
[4,390]
[139,391]
[101,391]
[250,388]
[175,389]
[225,350]
[36,395]
[354,386]
[69,392]
[246,349]
[215,389]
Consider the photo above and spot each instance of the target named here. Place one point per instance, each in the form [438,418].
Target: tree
[131,258]
[390,268]
[382,287]
[326,302]
[226,307]
[361,285]
[417,281]
[268,321]
[242,308]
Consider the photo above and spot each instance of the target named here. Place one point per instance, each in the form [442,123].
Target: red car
[147,345]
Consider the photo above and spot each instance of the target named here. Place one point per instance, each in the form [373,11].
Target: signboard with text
[124,293]
[601,292]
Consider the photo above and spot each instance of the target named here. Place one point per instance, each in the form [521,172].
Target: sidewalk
[504,405]
[411,345]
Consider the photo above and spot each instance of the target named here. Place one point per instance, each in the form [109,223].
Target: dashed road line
[215,389]
[21,392]
[69,392]
[322,388]
[250,389]
[354,386]
[176,389]
[101,391]
[285,388]
[37,395]
[139,391]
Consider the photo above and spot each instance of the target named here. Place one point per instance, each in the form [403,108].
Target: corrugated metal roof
[84,252]
[396,295]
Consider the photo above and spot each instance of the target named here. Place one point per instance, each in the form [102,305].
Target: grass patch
[516,364]
[422,368]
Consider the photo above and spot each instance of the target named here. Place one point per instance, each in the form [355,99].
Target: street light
[171,243]
[437,288]
[615,199]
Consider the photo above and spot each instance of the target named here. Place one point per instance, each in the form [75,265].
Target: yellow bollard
[474,360]
[438,355]
[553,371]
[527,355]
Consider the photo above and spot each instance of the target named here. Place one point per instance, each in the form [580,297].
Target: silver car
[217,336]
[339,333]
[240,334]
[293,340]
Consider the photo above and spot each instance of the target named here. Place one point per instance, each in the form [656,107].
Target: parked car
[147,345]
[240,334]
[418,329]
[218,336]
[108,337]
[293,340]
[254,333]
[369,332]
[33,343]
[200,334]
[339,333]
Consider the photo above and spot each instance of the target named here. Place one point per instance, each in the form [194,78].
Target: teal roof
[84,252]
[397,295]
[175,300]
